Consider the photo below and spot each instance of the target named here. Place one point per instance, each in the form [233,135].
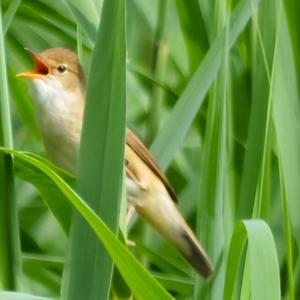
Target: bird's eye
[61,68]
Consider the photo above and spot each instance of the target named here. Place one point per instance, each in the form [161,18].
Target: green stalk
[159,59]
[101,159]
[288,237]
[256,151]
[79,44]
[266,55]
[9,14]
[10,256]
[210,216]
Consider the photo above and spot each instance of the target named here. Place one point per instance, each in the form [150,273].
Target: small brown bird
[58,90]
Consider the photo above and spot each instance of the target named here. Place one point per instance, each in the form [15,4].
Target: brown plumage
[58,88]
[133,142]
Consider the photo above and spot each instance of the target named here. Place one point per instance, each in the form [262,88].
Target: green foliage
[261,257]
[101,158]
[20,296]
[137,278]
[10,254]
[212,86]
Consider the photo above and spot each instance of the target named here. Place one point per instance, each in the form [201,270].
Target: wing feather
[140,149]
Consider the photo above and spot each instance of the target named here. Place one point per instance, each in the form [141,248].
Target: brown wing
[140,149]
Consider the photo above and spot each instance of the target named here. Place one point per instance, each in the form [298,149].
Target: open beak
[41,68]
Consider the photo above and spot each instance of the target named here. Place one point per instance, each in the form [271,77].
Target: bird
[58,90]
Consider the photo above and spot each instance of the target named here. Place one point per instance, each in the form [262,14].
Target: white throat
[60,117]
[49,91]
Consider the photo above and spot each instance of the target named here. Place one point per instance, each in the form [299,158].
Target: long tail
[167,220]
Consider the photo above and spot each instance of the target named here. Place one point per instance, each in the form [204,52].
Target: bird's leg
[135,187]
[130,214]
[134,193]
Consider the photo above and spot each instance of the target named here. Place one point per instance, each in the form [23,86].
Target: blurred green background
[212,90]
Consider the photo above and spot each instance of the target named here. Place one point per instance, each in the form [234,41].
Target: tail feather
[196,256]
[169,222]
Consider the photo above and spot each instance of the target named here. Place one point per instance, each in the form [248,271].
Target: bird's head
[57,71]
